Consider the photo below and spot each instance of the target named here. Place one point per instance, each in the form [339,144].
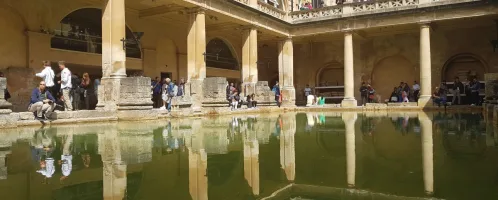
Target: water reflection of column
[251,161]
[114,168]
[197,160]
[427,153]
[287,145]
[349,121]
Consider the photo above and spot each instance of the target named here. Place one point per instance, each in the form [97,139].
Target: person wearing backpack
[276,90]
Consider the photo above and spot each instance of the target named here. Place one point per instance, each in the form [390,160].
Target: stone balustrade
[270,10]
[350,9]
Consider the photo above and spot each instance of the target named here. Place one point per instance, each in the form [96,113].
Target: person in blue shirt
[42,102]
[276,90]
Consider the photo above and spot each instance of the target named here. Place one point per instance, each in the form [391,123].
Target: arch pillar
[196,47]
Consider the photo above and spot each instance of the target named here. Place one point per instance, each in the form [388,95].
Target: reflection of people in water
[66,161]
[278,127]
[42,147]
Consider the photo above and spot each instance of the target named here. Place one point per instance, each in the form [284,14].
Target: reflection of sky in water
[251,157]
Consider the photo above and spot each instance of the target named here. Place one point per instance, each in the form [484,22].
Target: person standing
[48,75]
[66,85]
[87,86]
[276,90]
[416,90]
[476,86]
[6,92]
[307,91]
[156,92]
[76,91]
[364,93]
[181,87]
[457,88]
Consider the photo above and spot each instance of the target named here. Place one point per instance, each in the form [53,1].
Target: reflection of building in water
[251,162]
[349,121]
[198,179]
[287,146]
[114,169]
[427,153]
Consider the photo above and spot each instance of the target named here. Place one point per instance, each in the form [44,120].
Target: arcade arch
[389,72]
[464,66]
[331,74]
[81,30]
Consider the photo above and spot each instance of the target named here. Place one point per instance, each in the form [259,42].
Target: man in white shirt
[416,90]
[47,74]
[66,85]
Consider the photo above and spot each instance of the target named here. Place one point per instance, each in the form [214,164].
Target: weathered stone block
[26,116]
[214,89]
[491,89]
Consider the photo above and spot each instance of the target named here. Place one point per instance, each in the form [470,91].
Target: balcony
[350,9]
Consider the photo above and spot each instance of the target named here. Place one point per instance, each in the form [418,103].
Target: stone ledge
[411,104]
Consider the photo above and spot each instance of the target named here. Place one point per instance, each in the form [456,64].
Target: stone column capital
[348,31]
[426,24]
[197,10]
[249,27]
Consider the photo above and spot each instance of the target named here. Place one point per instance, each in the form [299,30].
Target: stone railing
[329,11]
[270,10]
[243,1]
[366,7]
[381,4]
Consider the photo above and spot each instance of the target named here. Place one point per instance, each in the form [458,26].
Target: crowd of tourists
[164,90]
[62,91]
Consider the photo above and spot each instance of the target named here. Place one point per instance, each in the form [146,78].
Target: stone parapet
[491,89]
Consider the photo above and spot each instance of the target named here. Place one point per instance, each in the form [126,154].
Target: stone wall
[20,82]
[214,90]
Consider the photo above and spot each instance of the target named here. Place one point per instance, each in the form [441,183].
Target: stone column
[287,145]
[114,169]
[349,100]
[113,32]
[251,162]
[425,65]
[427,153]
[196,47]
[286,73]
[249,61]
[136,95]
[349,121]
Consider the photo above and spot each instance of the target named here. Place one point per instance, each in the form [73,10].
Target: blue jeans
[169,104]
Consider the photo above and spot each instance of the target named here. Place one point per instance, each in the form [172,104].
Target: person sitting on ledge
[42,102]
[438,97]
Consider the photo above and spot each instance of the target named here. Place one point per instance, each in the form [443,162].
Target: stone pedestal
[195,86]
[130,93]
[5,119]
[491,89]
[288,96]
[214,92]
[264,95]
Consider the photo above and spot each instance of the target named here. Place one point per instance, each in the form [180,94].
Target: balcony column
[350,120]
[425,65]
[349,100]
[249,61]
[196,47]
[427,153]
[287,145]
[286,72]
[113,34]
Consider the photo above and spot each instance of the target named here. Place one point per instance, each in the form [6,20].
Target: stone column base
[349,103]
[288,97]
[248,89]
[424,101]
[128,93]
[196,93]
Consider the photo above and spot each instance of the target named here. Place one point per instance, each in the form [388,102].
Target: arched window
[81,30]
[219,55]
